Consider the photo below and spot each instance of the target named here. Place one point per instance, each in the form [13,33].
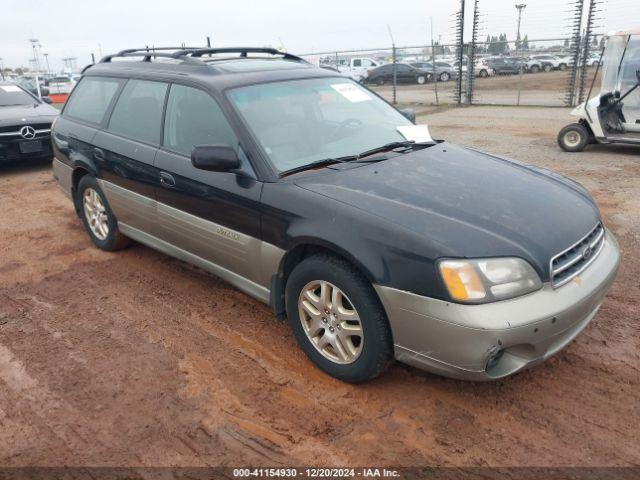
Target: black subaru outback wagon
[309,192]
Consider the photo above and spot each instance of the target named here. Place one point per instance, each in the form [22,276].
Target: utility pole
[519,7]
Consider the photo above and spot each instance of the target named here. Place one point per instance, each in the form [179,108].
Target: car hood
[466,203]
[24,114]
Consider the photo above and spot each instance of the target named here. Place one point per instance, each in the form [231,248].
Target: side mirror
[215,158]
[409,114]
[47,100]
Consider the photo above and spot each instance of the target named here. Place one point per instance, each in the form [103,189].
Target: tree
[525,43]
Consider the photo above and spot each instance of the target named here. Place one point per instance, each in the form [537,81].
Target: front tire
[421,80]
[444,77]
[535,69]
[338,320]
[99,221]
[573,137]
[483,74]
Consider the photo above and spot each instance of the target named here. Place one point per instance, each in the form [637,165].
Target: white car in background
[357,67]
[61,85]
[556,62]
[481,68]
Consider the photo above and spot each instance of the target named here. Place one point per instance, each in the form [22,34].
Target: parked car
[25,125]
[481,68]
[534,65]
[32,87]
[311,194]
[357,68]
[404,74]
[444,71]
[555,62]
[61,85]
[504,65]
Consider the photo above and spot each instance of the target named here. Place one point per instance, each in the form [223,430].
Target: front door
[213,216]
[125,151]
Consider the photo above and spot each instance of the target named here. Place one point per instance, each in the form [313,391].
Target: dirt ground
[136,359]
[538,89]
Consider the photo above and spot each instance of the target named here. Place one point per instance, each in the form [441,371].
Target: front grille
[16,128]
[576,258]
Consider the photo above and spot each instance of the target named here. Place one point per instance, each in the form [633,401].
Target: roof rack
[192,55]
[148,52]
[243,51]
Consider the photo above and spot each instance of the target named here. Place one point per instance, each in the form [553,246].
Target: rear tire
[483,74]
[535,69]
[444,77]
[421,80]
[562,66]
[573,137]
[380,82]
[362,347]
[99,221]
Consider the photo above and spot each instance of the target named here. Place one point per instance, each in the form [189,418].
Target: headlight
[489,279]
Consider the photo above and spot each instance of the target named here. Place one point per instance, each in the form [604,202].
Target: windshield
[14,95]
[611,62]
[302,121]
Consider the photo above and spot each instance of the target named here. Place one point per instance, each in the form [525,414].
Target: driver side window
[194,118]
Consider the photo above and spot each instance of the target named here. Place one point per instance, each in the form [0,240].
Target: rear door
[125,150]
[83,115]
[212,215]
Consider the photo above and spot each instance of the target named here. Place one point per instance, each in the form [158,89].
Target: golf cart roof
[624,33]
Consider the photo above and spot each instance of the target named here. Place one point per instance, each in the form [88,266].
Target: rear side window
[194,118]
[138,112]
[91,98]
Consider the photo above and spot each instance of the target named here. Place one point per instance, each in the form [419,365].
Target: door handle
[98,154]
[167,180]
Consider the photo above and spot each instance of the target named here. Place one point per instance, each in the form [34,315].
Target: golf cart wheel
[444,77]
[548,68]
[483,73]
[535,69]
[573,137]
[421,79]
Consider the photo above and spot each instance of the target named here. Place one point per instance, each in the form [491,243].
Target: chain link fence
[538,73]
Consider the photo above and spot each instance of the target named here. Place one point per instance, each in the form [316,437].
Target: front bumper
[486,342]
[10,149]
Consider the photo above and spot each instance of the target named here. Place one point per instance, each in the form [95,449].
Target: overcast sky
[76,28]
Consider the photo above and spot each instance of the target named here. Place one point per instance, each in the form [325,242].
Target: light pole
[519,7]
[46,58]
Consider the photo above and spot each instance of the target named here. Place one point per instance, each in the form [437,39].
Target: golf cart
[613,116]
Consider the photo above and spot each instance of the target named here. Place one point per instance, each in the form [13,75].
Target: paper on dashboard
[416,133]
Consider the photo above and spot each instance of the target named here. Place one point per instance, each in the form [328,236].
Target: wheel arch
[76,176]
[302,249]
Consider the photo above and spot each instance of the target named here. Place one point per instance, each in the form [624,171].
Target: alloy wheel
[95,213]
[331,322]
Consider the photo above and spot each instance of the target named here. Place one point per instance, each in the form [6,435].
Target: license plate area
[31,147]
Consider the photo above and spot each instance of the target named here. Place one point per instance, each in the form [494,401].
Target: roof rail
[243,51]
[148,52]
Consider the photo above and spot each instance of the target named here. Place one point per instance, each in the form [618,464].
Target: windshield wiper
[357,158]
[316,164]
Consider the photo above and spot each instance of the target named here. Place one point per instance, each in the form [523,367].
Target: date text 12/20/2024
[315,473]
